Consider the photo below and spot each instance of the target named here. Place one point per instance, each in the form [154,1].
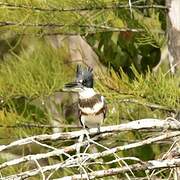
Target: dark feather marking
[102,110]
[90,102]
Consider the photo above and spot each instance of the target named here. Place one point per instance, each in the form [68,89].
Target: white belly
[92,120]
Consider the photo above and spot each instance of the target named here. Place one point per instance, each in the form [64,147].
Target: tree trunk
[173,30]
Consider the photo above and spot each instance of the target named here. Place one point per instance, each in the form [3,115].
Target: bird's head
[84,79]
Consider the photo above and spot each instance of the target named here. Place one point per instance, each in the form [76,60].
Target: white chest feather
[92,120]
[87,93]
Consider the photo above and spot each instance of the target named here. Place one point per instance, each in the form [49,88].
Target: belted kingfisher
[91,106]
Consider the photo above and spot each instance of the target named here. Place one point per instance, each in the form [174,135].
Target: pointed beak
[73,86]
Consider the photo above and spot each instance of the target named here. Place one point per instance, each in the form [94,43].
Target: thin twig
[89,27]
[55,25]
[149,165]
[76,9]
[150,105]
[136,144]
[26,125]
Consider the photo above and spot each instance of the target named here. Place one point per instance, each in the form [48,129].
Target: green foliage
[53,16]
[119,49]
[158,88]
[35,73]
[123,49]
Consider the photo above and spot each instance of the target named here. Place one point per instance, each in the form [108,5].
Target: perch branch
[142,124]
[55,152]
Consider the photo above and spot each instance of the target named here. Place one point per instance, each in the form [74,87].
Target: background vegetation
[128,42]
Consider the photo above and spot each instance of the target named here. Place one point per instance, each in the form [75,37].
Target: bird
[92,106]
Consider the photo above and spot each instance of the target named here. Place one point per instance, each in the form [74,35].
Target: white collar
[86,93]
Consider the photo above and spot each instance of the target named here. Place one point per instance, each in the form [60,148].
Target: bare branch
[91,28]
[58,152]
[136,144]
[54,25]
[109,172]
[149,165]
[141,124]
[86,158]
[36,157]
[9,23]
[150,105]
[112,6]
[30,125]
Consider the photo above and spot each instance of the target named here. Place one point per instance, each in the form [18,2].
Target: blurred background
[127,44]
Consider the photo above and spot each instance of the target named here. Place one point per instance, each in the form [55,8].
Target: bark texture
[173,30]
